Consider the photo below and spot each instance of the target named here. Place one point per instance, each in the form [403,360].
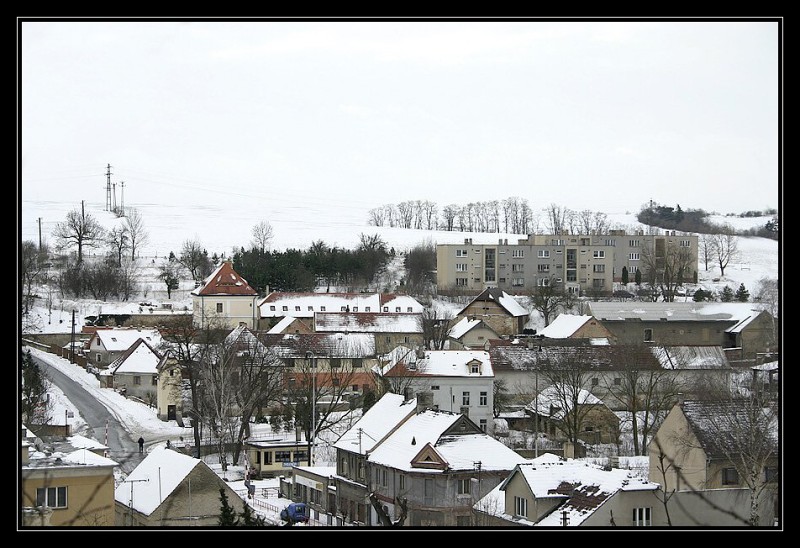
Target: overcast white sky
[599,115]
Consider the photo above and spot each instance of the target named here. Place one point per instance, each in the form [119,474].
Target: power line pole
[40,234]
[122,198]
[108,188]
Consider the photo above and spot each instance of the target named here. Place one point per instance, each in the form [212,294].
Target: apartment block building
[582,263]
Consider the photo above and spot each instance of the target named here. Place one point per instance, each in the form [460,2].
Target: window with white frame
[434,387]
[544,254]
[521,507]
[483,425]
[465,398]
[543,282]
[518,253]
[461,267]
[685,243]
[543,268]
[633,243]
[611,243]
[517,267]
[598,268]
[52,497]
[518,282]
[599,254]
[461,281]
[285,308]
[219,308]
[633,257]
[484,398]
[642,517]
[461,252]
[633,269]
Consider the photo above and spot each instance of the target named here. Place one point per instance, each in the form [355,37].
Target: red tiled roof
[225,281]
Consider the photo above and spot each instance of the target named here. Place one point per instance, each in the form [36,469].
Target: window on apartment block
[685,243]
[219,308]
[543,254]
[483,425]
[462,486]
[599,254]
[543,282]
[461,252]
[543,268]
[633,257]
[461,267]
[484,398]
[461,281]
[598,268]
[642,517]
[518,253]
[730,476]
[648,335]
[518,282]
[336,362]
[465,398]
[633,243]
[53,497]
[521,507]
[517,267]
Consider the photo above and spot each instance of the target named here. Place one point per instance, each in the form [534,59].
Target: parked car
[296,512]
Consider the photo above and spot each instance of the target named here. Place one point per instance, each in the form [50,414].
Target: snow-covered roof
[282,325]
[581,485]
[120,339]
[560,397]
[320,345]
[368,322]
[690,357]
[564,326]
[156,477]
[506,301]
[139,358]
[464,326]
[305,305]
[740,313]
[444,363]
[225,281]
[460,452]
[376,423]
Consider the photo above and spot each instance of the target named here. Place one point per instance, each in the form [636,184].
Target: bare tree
[667,266]
[79,230]
[707,242]
[137,234]
[118,240]
[435,323]
[262,236]
[726,248]
[549,299]
[449,215]
[645,390]
[31,266]
[194,258]
[767,295]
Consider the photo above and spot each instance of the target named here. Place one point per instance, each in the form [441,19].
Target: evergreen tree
[625,275]
[34,390]
[249,519]
[227,515]
[727,294]
[700,296]
[638,277]
[742,294]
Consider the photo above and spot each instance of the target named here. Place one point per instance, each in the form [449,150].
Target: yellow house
[66,489]
[276,455]
[224,299]
[169,396]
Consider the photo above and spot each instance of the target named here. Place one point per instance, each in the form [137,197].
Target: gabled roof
[156,477]
[717,424]
[368,322]
[565,325]
[441,430]
[376,423]
[691,357]
[465,325]
[320,345]
[441,363]
[225,281]
[581,487]
[120,339]
[560,398]
[282,325]
[139,358]
[503,299]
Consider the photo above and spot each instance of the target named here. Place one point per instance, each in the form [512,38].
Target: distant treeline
[696,220]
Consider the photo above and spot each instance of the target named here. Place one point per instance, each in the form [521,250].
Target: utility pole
[40,234]
[72,341]
[122,198]
[108,188]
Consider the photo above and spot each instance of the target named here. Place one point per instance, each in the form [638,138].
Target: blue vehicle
[296,512]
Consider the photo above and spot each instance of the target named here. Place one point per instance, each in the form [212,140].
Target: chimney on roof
[424,401]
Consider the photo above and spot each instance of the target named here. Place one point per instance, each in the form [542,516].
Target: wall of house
[263,459]
[474,338]
[492,315]
[146,390]
[687,333]
[680,448]
[449,397]
[386,342]
[169,392]
[90,494]
[235,310]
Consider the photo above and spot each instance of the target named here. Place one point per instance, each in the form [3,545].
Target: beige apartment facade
[582,263]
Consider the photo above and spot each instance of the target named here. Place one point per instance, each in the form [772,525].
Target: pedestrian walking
[141,444]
